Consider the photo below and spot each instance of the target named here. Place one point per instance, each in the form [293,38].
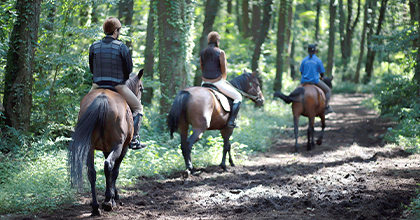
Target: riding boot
[328,109]
[135,142]
[233,115]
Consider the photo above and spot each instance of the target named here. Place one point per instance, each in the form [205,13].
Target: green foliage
[33,185]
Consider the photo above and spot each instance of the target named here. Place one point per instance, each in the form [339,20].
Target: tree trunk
[362,43]
[229,11]
[370,27]
[238,16]
[149,56]
[256,21]
[287,57]
[262,33]
[245,18]
[83,15]
[174,26]
[371,55]
[331,40]
[318,13]
[125,14]
[293,73]
[341,27]
[20,58]
[417,68]
[94,14]
[347,36]
[212,6]
[280,44]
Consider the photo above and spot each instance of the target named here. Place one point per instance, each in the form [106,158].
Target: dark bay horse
[307,100]
[105,123]
[199,107]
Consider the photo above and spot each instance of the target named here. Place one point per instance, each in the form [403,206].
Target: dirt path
[351,176]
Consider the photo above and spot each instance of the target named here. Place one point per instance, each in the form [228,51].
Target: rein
[246,95]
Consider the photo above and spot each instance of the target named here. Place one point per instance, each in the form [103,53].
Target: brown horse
[105,123]
[308,100]
[199,107]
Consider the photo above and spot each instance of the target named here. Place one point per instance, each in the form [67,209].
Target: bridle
[255,98]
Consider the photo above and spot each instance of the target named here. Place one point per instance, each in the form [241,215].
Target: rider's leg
[137,109]
[231,92]
[327,91]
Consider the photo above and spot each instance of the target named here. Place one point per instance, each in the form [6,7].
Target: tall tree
[362,42]
[346,35]
[175,18]
[18,73]
[281,34]
[212,6]
[256,20]
[288,55]
[149,57]
[238,15]
[229,11]
[331,40]
[370,57]
[318,14]
[245,18]
[417,68]
[125,14]
[267,9]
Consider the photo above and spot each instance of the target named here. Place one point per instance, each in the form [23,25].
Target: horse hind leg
[92,179]
[311,131]
[186,146]
[111,162]
[319,141]
[296,131]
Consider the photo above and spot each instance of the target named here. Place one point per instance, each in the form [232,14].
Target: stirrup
[135,144]
[328,110]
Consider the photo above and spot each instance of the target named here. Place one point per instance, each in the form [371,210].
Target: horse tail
[178,107]
[80,145]
[285,98]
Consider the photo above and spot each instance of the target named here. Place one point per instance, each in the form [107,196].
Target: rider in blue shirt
[310,69]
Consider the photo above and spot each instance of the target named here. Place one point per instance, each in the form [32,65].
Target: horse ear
[140,73]
[332,77]
[254,73]
[244,71]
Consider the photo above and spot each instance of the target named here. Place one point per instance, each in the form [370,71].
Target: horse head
[328,80]
[254,88]
[135,84]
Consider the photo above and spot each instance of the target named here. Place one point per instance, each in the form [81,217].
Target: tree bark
[212,7]
[371,53]
[331,40]
[149,56]
[318,13]
[256,21]
[362,43]
[287,57]
[229,11]
[245,18]
[347,36]
[125,14]
[174,24]
[267,9]
[280,44]
[417,68]
[238,15]
[19,68]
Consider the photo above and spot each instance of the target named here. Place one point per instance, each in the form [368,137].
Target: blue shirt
[310,68]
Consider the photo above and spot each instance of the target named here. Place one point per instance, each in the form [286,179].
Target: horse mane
[240,82]
[132,83]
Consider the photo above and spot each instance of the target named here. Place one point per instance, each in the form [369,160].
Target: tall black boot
[135,142]
[233,115]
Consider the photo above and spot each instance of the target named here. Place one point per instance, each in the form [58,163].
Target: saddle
[224,101]
[298,91]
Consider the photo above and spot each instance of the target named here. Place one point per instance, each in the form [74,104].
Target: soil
[352,175]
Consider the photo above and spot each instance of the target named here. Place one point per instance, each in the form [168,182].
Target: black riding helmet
[311,48]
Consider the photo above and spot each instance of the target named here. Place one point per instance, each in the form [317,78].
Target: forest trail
[352,175]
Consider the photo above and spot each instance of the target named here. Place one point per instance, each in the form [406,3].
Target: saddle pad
[221,98]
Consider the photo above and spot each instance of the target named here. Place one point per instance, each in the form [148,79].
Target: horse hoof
[223,167]
[96,212]
[186,174]
[107,206]
[319,142]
